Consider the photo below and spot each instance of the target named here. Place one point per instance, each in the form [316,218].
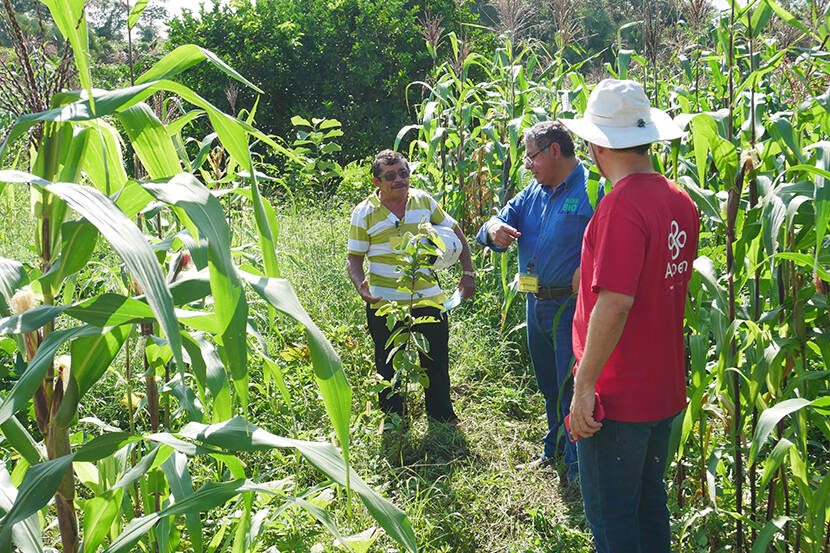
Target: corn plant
[469,129]
[751,449]
[752,182]
[139,486]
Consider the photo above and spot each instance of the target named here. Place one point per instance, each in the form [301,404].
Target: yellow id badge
[528,283]
[394,242]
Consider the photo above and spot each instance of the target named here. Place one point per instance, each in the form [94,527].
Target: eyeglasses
[390,176]
[530,160]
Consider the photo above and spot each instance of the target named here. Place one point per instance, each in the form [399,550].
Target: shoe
[536,464]
[453,424]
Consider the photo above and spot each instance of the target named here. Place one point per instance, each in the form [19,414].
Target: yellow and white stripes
[375,232]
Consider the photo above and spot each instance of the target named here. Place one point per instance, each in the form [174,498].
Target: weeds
[459,489]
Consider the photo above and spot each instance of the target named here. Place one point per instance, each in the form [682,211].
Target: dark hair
[386,157]
[546,133]
[641,149]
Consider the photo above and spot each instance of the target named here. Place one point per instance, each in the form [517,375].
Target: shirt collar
[374,198]
[574,177]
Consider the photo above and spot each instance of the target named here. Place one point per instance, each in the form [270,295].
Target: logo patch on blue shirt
[570,205]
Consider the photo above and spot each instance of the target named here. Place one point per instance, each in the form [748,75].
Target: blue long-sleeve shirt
[551,223]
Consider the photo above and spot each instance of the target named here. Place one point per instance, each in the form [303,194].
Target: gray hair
[545,133]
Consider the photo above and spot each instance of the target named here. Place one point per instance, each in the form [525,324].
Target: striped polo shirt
[374,229]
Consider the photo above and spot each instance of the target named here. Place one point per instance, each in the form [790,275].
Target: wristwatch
[469,273]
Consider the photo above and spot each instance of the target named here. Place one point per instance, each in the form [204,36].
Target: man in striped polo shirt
[377,228]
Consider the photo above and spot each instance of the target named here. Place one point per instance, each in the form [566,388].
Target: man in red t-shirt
[637,256]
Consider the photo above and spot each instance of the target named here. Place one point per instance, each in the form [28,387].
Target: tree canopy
[349,60]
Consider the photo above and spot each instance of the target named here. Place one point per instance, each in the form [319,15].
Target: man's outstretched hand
[502,235]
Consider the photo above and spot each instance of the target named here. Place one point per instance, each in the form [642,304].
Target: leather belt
[550,292]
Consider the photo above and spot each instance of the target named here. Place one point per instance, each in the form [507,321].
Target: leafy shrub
[349,60]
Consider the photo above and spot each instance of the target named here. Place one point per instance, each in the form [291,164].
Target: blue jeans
[549,342]
[621,471]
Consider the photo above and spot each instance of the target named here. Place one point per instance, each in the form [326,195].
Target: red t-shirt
[641,242]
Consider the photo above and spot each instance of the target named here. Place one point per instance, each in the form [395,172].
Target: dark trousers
[621,471]
[436,364]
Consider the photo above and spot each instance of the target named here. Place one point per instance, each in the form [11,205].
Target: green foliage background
[349,60]
[121,186]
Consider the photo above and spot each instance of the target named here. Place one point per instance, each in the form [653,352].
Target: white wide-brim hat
[618,116]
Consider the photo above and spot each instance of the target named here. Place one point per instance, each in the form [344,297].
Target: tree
[108,35]
[350,60]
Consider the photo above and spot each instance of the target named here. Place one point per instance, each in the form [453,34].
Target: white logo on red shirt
[677,241]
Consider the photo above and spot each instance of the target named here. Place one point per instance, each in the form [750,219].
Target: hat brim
[661,128]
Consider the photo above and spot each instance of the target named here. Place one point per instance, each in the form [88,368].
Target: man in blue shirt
[548,219]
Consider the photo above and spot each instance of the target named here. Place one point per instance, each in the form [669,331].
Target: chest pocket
[571,227]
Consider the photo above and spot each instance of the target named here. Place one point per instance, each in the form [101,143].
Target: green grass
[17,231]
[459,488]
